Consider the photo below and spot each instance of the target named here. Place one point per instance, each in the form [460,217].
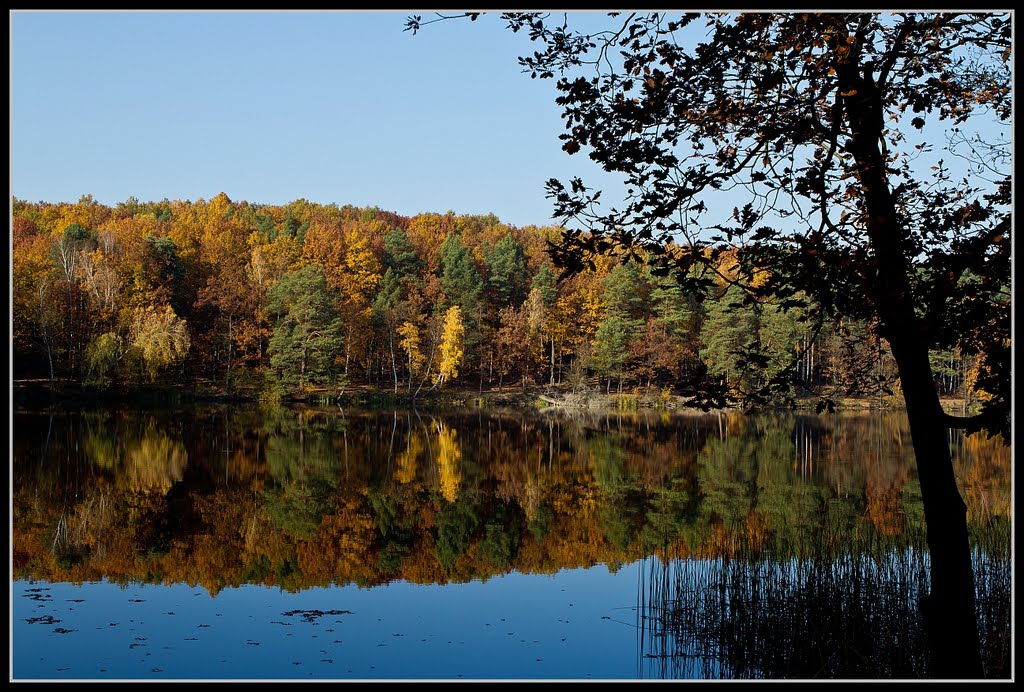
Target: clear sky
[337,107]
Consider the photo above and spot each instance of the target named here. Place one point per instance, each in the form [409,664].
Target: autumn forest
[267,301]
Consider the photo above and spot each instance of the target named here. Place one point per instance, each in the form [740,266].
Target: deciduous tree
[806,141]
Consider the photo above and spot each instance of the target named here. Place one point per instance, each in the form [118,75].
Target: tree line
[280,299]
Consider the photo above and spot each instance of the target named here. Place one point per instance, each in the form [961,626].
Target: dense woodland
[238,298]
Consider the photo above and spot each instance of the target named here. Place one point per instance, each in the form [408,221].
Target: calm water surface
[215,543]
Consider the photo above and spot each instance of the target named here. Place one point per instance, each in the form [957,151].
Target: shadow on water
[817,616]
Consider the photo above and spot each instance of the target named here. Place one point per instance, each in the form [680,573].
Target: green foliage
[101,357]
[670,510]
[308,332]
[455,524]
[539,525]
[545,281]
[624,295]
[610,347]
[460,279]
[508,279]
[729,329]
[389,292]
[75,232]
[673,308]
[502,536]
[400,254]
[298,508]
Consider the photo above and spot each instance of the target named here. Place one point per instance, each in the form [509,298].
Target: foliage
[451,345]
[308,333]
[160,337]
[217,264]
[101,357]
[787,154]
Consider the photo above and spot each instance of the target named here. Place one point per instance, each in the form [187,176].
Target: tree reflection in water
[773,546]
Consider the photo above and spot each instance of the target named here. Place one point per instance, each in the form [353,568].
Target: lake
[252,543]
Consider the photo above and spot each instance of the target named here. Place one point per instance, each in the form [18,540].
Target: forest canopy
[244,298]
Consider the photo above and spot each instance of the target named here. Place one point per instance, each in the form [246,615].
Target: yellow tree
[427,233]
[160,337]
[410,342]
[362,273]
[352,270]
[573,320]
[451,345]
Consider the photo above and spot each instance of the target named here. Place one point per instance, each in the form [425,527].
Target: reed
[853,615]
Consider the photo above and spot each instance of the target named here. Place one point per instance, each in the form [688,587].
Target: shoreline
[37,393]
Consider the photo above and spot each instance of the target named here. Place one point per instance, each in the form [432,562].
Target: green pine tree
[507,264]
[308,333]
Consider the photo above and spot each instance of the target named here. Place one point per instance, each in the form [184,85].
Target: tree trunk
[552,362]
[394,365]
[949,613]
[949,610]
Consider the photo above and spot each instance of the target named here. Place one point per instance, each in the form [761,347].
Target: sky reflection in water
[573,624]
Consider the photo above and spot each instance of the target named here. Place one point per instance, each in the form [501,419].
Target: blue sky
[269,107]
[341,107]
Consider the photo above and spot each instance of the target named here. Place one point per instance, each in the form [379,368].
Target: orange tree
[817,147]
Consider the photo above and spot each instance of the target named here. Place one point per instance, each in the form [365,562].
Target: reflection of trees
[142,456]
[304,463]
[298,508]
[155,461]
[449,456]
[329,498]
[980,463]
[620,513]
[408,458]
[299,449]
[455,524]
[502,536]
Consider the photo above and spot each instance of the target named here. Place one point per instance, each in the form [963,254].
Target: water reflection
[770,545]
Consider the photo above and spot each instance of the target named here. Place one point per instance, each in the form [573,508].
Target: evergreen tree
[308,332]
[624,295]
[463,287]
[673,309]
[545,282]
[729,329]
[610,348]
[400,254]
[507,263]
[460,279]
[779,334]
[625,308]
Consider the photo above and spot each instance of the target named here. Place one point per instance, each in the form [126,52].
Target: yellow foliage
[757,529]
[410,343]
[576,315]
[160,335]
[154,462]
[406,466]
[362,270]
[451,345]
[449,457]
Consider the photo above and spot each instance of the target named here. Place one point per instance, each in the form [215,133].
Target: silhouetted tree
[804,144]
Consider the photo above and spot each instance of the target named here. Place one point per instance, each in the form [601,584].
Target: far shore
[38,393]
